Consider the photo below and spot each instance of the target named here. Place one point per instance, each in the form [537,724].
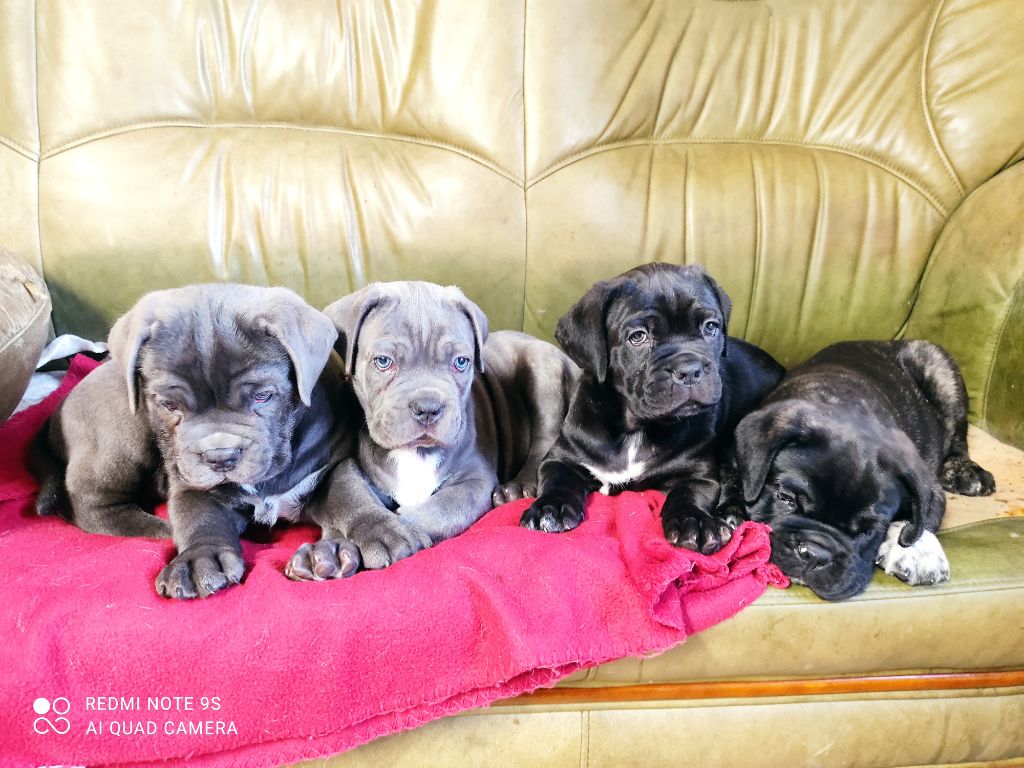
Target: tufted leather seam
[21,149]
[39,145]
[44,306]
[899,593]
[1015,297]
[926,111]
[837,148]
[584,738]
[526,206]
[124,128]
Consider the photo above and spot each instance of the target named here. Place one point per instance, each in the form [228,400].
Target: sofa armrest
[971,301]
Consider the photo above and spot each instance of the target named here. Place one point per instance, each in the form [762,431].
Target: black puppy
[661,385]
[845,459]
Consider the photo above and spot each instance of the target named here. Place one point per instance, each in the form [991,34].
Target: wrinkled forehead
[833,471]
[209,348]
[420,328]
[677,299]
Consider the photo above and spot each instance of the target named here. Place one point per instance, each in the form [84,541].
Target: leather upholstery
[807,152]
[846,168]
[24,325]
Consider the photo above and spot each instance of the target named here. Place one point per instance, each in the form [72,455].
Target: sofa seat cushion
[973,621]
[24,325]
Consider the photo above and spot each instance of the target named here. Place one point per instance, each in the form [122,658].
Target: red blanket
[98,670]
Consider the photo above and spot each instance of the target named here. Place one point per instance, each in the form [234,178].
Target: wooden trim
[741,689]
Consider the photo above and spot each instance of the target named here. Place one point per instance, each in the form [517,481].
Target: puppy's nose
[426,410]
[812,555]
[222,459]
[688,371]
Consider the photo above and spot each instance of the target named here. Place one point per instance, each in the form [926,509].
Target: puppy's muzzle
[426,409]
[221,451]
[688,370]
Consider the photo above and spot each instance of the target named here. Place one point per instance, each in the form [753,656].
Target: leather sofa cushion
[24,325]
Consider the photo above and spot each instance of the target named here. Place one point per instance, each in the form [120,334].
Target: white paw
[923,562]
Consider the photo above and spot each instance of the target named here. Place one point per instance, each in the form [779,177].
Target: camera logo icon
[58,707]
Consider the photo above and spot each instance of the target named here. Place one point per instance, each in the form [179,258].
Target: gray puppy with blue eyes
[455,421]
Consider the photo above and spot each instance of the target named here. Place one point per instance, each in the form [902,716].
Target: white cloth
[42,384]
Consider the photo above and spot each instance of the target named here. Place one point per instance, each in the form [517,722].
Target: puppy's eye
[711,327]
[168,405]
[461,363]
[263,396]
[786,498]
[637,337]
[383,363]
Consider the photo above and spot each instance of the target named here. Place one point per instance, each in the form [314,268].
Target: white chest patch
[625,468]
[416,476]
[923,562]
[283,506]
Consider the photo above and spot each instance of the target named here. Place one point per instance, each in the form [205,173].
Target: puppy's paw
[732,514]
[387,540]
[697,531]
[551,515]
[200,572]
[961,475]
[923,562]
[327,559]
[512,491]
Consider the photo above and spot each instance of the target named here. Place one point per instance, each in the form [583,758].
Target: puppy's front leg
[355,528]
[563,492]
[206,532]
[459,503]
[688,517]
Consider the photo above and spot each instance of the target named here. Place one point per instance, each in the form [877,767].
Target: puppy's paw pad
[200,572]
[922,563]
[961,475]
[551,517]
[327,559]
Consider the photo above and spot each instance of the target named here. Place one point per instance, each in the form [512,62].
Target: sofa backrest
[808,152]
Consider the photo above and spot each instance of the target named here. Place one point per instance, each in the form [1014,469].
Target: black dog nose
[812,555]
[426,410]
[222,459]
[688,371]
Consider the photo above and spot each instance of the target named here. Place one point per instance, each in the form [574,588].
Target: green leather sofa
[846,168]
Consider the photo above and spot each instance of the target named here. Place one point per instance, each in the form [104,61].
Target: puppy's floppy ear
[927,501]
[307,335]
[583,330]
[724,304]
[476,318]
[762,434]
[126,338]
[348,315]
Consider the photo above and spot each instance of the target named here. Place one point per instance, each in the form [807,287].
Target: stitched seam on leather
[899,593]
[526,207]
[837,148]
[1014,300]
[45,305]
[925,109]
[584,738]
[21,149]
[118,130]
[39,144]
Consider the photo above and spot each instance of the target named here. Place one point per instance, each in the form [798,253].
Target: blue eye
[461,363]
[383,363]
